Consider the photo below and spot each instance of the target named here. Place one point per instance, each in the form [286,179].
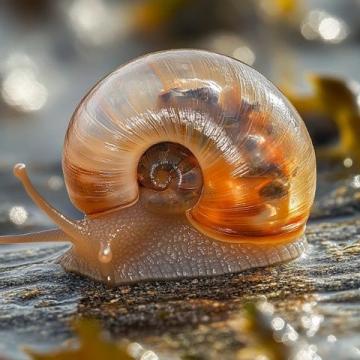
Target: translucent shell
[256,158]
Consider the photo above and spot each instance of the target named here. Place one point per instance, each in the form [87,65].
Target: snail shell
[185,163]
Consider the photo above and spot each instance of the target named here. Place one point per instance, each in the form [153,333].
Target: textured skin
[148,246]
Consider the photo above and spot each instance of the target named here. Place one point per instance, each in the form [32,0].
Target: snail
[185,163]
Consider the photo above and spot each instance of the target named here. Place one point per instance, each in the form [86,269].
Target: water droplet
[105,253]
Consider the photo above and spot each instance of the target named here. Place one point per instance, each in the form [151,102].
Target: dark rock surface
[318,296]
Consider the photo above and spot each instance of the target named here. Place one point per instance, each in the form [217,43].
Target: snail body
[185,163]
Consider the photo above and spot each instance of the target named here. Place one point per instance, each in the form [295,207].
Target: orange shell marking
[255,155]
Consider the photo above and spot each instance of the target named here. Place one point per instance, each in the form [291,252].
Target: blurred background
[53,52]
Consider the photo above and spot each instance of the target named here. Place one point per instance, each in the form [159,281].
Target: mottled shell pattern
[251,174]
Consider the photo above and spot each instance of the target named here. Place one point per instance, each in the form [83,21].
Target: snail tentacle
[67,225]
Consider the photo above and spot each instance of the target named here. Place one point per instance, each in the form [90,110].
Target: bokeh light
[21,88]
[230,44]
[320,25]
[18,215]
[97,23]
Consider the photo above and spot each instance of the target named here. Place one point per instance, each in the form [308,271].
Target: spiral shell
[170,177]
[255,166]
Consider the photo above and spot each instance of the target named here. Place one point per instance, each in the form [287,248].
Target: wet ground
[316,298]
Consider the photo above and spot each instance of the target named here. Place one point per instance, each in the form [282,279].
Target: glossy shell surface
[255,155]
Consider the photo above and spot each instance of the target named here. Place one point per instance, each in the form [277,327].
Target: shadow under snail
[185,163]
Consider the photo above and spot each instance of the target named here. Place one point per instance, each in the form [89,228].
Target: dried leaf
[91,347]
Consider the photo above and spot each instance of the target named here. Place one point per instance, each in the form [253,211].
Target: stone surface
[317,295]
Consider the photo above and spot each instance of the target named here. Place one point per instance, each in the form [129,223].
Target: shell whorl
[255,155]
[170,178]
